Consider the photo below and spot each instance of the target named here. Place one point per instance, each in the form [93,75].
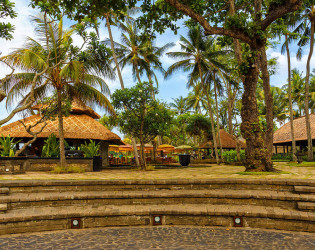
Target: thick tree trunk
[307,79]
[290,99]
[61,135]
[120,80]
[218,125]
[256,157]
[268,101]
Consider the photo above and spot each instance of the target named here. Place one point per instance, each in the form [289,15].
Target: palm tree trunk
[290,98]
[213,130]
[137,73]
[113,49]
[307,116]
[120,80]
[210,114]
[61,135]
[217,111]
[230,108]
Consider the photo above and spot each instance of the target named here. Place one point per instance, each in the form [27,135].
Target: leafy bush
[52,147]
[231,156]
[282,157]
[91,149]
[7,146]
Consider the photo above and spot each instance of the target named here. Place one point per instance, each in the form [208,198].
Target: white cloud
[280,78]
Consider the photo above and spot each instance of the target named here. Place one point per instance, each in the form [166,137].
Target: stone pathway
[161,238]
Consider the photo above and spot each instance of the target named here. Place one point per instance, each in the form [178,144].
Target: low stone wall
[18,165]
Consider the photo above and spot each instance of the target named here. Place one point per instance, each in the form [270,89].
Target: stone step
[3,207]
[4,191]
[304,189]
[240,197]
[310,206]
[182,209]
[57,218]
[32,186]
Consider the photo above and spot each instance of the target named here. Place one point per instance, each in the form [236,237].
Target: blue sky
[173,87]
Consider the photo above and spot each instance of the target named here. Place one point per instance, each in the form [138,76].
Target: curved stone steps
[241,197]
[188,214]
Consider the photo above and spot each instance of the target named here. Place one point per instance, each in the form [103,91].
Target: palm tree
[180,105]
[109,16]
[194,60]
[151,55]
[306,28]
[72,72]
[129,51]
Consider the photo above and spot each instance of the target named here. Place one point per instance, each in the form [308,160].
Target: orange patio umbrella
[125,148]
[166,147]
[114,148]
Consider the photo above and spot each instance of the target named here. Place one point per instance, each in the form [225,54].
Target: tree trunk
[290,99]
[213,130]
[120,80]
[217,111]
[256,157]
[61,135]
[230,108]
[268,101]
[307,79]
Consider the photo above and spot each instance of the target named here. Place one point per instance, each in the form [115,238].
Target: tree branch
[34,134]
[209,30]
[279,11]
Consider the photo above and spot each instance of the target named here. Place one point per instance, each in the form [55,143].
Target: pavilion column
[276,149]
[104,153]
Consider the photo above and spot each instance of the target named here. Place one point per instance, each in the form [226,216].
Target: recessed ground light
[75,223]
[157,220]
[238,221]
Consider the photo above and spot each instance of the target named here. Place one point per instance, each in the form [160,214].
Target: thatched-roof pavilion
[282,137]
[79,126]
[227,140]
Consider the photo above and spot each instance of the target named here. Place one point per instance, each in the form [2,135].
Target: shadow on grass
[263,173]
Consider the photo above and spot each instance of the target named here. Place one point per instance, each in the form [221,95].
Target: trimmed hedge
[231,156]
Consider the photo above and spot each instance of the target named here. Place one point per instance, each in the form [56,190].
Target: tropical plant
[74,73]
[51,147]
[179,105]
[7,146]
[90,149]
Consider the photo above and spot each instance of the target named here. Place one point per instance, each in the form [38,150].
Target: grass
[68,169]
[263,173]
[302,164]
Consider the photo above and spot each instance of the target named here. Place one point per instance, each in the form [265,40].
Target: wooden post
[276,149]
[283,149]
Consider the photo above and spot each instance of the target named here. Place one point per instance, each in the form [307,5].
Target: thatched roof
[283,134]
[227,141]
[77,107]
[80,124]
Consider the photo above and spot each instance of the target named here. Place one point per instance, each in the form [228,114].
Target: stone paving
[161,238]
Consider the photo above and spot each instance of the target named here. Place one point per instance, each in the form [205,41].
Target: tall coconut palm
[72,72]
[111,19]
[192,59]
[129,50]
[307,28]
[180,105]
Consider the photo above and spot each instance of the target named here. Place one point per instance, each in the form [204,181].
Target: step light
[76,223]
[157,220]
[238,221]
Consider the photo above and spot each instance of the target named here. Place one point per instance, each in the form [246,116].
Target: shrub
[52,147]
[90,150]
[231,156]
[282,157]
[7,146]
